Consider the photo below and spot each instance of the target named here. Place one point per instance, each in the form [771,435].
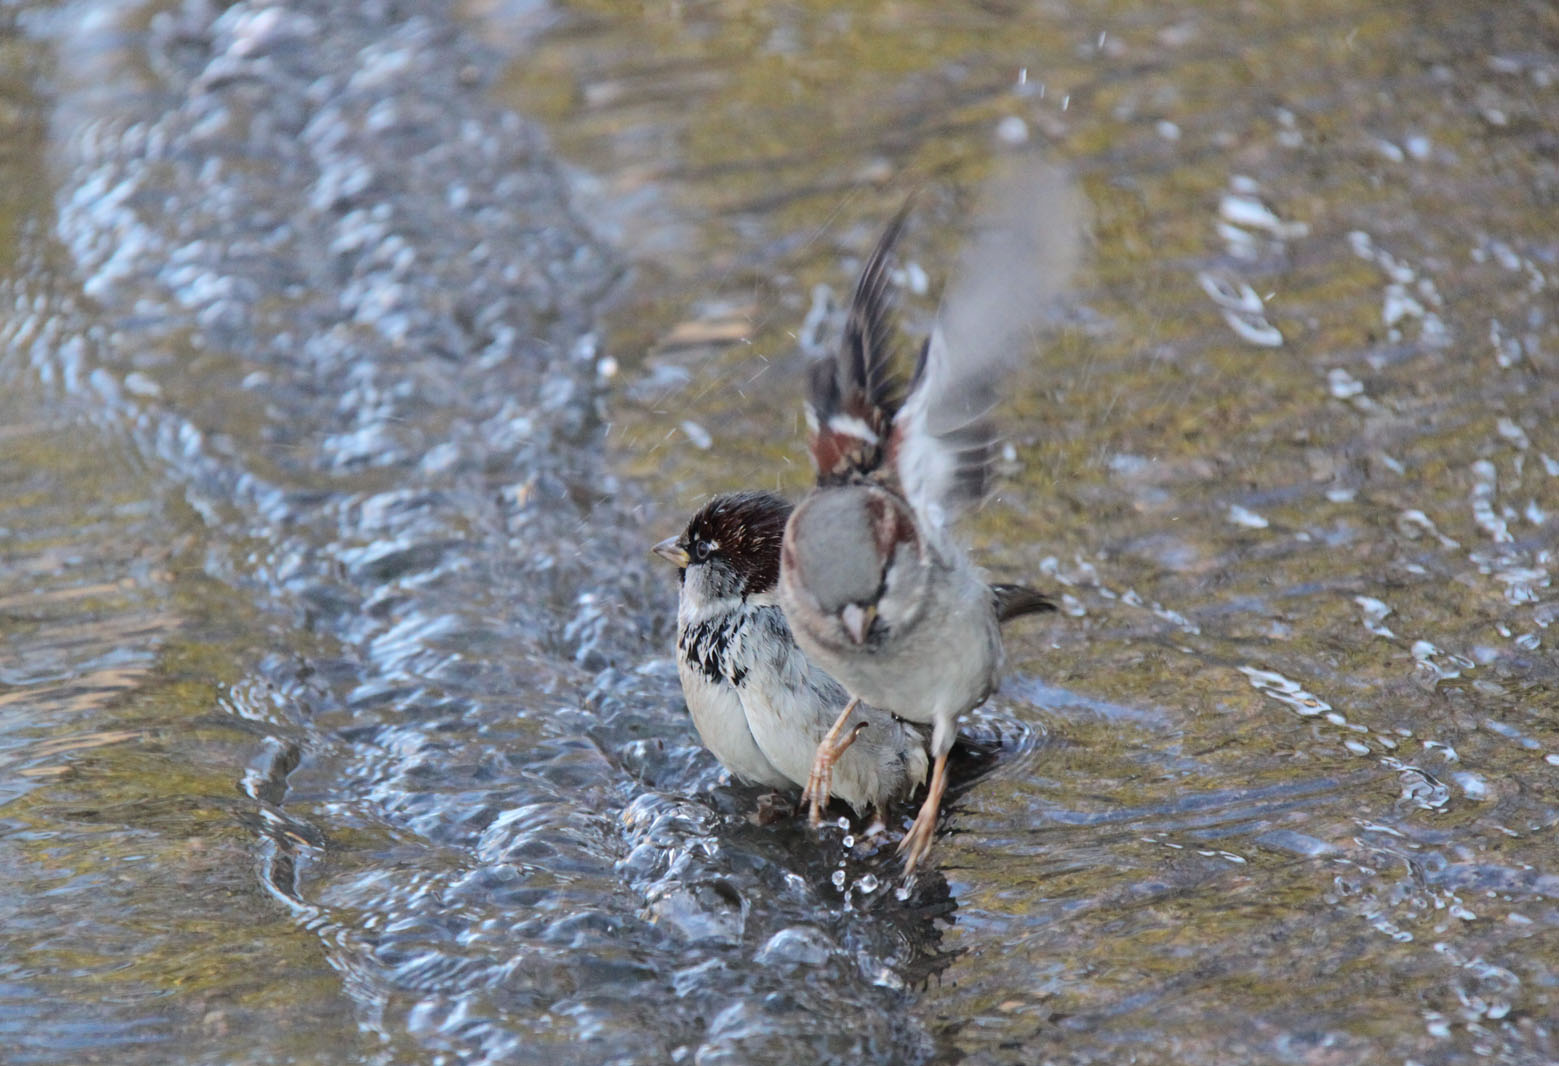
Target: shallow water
[352,359]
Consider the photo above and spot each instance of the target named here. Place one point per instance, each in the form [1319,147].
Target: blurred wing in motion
[1026,243]
[851,399]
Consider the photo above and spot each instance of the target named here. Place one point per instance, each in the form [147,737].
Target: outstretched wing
[1027,242]
[851,398]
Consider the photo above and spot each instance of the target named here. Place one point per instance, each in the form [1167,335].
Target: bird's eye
[702,550]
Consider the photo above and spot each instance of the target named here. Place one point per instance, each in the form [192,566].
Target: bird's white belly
[722,726]
[935,675]
[944,666]
[886,762]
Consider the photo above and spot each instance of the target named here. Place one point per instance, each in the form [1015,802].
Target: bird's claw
[916,844]
[820,782]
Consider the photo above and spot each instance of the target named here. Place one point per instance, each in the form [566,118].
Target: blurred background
[352,356]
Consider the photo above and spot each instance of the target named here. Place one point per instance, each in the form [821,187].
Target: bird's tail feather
[1015,601]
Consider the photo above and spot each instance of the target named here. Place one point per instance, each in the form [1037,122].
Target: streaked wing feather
[852,397]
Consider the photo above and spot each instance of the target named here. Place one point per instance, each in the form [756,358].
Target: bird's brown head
[731,545]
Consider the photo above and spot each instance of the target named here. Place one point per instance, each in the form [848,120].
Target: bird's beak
[673,553]
[858,620]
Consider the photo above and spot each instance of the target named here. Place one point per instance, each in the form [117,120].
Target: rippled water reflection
[341,405]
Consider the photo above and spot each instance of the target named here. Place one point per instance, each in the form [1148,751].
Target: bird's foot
[916,844]
[820,782]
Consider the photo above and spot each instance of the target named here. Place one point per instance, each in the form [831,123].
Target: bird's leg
[820,782]
[916,844]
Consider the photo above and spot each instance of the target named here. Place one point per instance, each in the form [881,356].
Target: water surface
[351,360]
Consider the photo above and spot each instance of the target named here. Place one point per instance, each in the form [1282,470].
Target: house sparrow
[759,704]
[873,585]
